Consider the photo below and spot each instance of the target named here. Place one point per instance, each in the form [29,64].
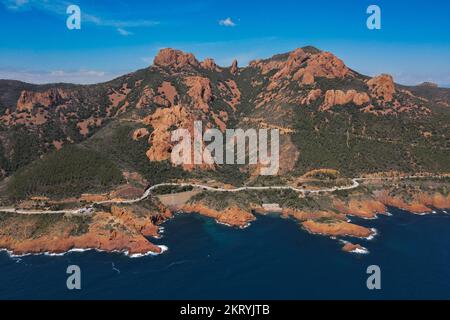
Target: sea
[273,258]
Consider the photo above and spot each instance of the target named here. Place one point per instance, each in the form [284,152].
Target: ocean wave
[12,255]
[361,250]
[375,233]
[233,226]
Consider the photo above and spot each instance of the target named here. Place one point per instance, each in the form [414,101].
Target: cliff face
[120,229]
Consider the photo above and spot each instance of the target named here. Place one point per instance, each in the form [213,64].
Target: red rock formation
[360,208]
[234,67]
[169,91]
[161,121]
[339,97]
[175,58]
[382,86]
[304,215]
[126,235]
[50,97]
[313,95]
[420,204]
[146,98]
[232,216]
[210,64]
[336,229]
[200,91]
[325,64]
[350,247]
[140,133]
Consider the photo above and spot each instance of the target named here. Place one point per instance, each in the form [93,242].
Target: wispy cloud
[82,76]
[228,22]
[97,20]
[15,4]
[58,8]
[124,32]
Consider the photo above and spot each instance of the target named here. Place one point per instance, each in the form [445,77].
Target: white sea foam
[149,253]
[233,226]
[11,254]
[375,233]
[361,250]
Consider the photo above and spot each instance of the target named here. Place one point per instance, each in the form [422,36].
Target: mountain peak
[169,57]
[428,84]
[209,64]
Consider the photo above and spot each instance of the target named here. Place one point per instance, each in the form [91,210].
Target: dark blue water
[272,259]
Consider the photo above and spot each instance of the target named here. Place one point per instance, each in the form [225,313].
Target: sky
[121,36]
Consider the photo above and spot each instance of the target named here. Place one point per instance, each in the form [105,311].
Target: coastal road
[146,194]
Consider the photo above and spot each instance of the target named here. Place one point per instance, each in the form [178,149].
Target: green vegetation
[116,143]
[355,143]
[247,199]
[24,150]
[69,172]
[171,189]
[43,224]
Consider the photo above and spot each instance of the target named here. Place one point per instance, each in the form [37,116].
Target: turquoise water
[272,259]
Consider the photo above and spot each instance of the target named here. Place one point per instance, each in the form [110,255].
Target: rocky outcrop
[354,248]
[429,85]
[339,97]
[162,120]
[146,98]
[419,204]
[313,95]
[313,215]
[166,95]
[383,87]
[143,225]
[337,228]
[50,97]
[234,67]
[106,231]
[304,66]
[323,64]
[368,208]
[232,94]
[200,92]
[168,92]
[210,64]
[232,216]
[140,133]
[175,58]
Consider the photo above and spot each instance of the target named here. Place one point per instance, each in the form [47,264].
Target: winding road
[146,194]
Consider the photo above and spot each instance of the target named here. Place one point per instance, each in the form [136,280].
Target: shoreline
[12,255]
[356,250]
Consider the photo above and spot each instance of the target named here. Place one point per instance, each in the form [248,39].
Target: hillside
[329,116]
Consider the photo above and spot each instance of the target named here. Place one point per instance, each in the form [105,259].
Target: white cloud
[58,8]
[124,32]
[227,22]
[82,76]
[15,4]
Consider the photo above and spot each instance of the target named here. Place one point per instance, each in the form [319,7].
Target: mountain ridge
[310,95]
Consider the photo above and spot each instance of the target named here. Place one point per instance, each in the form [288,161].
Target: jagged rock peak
[174,58]
[234,67]
[209,64]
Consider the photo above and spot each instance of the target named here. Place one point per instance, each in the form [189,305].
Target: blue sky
[119,36]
